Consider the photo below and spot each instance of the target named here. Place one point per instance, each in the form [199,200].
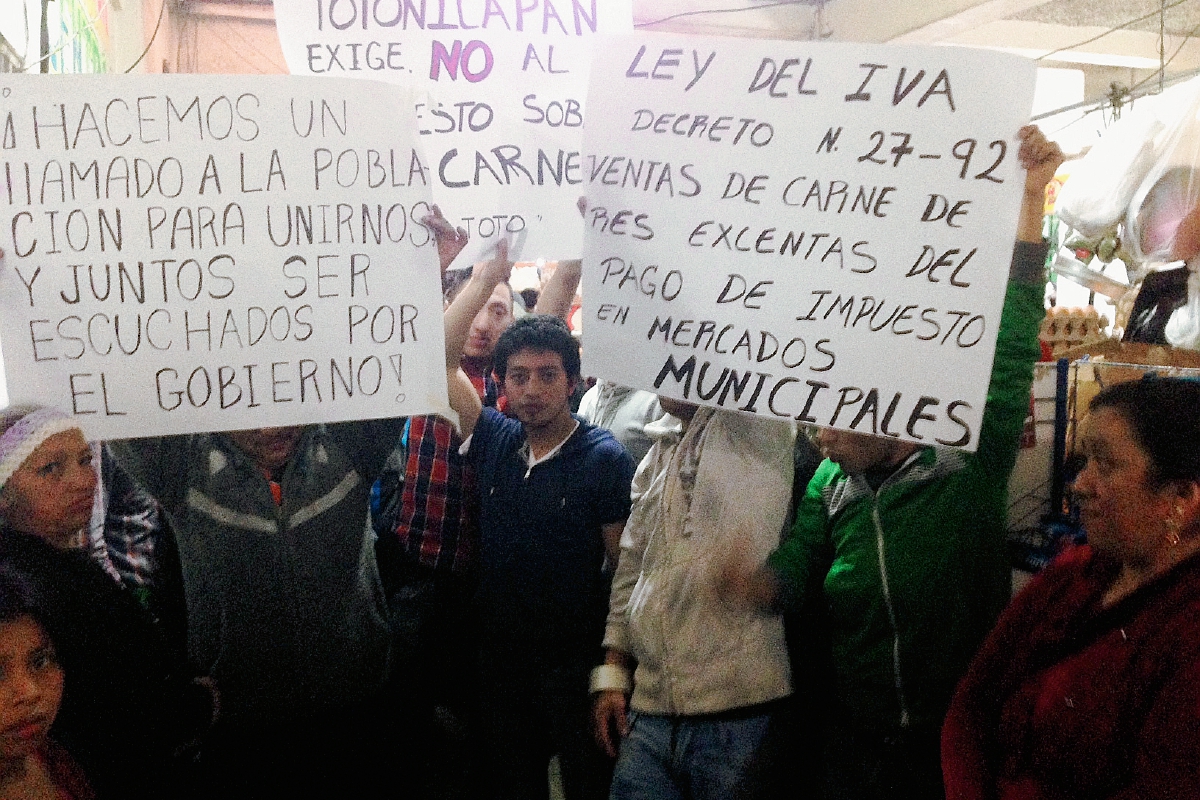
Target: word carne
[507,164]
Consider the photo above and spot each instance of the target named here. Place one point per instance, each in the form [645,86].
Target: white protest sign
[503,85]
[814,231]
[212,253]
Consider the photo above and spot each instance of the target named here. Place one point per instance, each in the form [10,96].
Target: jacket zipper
[891,611]
[667,506]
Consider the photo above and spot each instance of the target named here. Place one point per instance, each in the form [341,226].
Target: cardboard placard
[214,253]
[814,231]
[503,85]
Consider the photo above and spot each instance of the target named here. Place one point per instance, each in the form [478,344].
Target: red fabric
[1067,699]
[438,524]
[276,488]
[439,516]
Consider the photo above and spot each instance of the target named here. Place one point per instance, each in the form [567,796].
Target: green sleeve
[1017,350]
[801,562]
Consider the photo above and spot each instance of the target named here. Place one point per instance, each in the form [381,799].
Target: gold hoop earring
[1174,523]
[1172,531]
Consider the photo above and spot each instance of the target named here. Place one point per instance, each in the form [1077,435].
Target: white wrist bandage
[610,677]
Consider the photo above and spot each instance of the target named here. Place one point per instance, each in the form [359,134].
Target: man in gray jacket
[709,677]
[285,609]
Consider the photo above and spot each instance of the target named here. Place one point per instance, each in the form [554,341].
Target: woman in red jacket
[1089,687]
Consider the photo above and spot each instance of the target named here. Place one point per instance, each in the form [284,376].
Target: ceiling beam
[955,25]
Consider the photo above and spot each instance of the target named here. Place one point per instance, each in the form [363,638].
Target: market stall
[1125,222]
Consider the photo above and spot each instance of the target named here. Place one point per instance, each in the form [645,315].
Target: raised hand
[450,240]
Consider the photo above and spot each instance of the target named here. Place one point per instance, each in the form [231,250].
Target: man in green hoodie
[905,545]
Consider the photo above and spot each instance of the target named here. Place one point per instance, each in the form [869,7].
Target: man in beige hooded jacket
[709,677]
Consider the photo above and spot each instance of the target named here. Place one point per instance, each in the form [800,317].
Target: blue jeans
[712,757]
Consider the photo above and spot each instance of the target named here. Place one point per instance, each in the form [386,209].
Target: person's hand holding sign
[450,240]
[1041,159]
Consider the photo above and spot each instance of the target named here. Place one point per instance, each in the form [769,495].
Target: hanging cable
[1162,43]
[1114,29]
[1099,103]
[1133,90]
[162,12]
[1167,63]
[817,30]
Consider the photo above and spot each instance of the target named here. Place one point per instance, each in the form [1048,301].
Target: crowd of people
[664,600]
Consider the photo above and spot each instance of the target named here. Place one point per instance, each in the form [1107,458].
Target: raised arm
[473,297]
[557,296]
[1016,342]
[1041,158]
[463,397]
[560,290]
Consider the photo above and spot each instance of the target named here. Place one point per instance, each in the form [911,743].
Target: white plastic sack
[1105,183]
[1101,185]
[1170,191]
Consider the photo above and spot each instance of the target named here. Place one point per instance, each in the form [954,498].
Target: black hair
[21,596]
[543,332]
[1164,414]
[18,597]
[453,282]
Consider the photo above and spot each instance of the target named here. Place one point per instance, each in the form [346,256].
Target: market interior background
[1098,59]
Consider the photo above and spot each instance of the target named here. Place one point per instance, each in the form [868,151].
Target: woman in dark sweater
[1089,687]
[128,707]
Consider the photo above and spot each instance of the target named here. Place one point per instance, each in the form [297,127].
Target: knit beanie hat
[22,429]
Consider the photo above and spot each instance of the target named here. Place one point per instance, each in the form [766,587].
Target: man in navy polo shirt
[554,495]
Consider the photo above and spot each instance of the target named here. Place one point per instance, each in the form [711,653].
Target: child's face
[31,687]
